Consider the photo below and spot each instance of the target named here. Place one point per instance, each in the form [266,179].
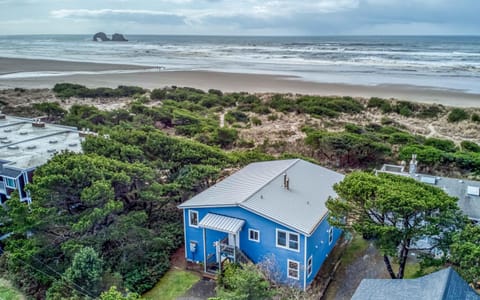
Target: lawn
[355,249]
[174,284]
[7,292]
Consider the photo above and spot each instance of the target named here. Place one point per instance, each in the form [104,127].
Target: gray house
[442,285]
[467,191]
[26,144]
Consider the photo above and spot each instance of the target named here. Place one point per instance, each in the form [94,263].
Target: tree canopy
[398,212]
[465,253]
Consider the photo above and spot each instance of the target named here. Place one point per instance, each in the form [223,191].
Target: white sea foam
[442,61]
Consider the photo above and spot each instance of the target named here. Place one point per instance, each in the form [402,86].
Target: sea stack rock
[117,37]
[100,36]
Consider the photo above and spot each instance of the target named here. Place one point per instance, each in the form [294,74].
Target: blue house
[268,211]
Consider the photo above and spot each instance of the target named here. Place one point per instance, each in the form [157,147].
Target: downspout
[204,251]
[305,264]
[185,233]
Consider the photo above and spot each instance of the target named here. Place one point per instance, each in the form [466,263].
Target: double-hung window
[253,235]
[193,218]
[9,182]
[293,269]
[288,240]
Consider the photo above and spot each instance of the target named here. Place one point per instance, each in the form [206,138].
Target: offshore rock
[100,36]
[117,37]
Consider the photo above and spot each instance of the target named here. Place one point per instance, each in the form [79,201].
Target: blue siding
[256,251]
[318,246]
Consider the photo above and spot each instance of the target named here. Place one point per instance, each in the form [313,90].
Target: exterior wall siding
[258,252]
[318,246]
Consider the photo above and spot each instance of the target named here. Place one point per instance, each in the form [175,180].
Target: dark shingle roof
[442,285]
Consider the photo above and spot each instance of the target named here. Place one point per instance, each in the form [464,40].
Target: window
[289,240]
[293,267]
[254,235]
[193,218]
[10,182]
[309,266]
[330,235]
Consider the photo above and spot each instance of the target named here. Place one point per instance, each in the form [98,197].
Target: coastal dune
[12,74]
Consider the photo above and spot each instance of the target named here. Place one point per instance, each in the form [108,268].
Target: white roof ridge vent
[473,190]
[52,150]
[12,147]
[53,141]
[31,147]
[72,144]
[23,132]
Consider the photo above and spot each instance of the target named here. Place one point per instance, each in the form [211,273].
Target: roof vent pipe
[286,181]
[413,165]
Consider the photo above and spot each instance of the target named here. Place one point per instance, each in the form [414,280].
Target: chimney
[413,165]
[37,123]
[286,181]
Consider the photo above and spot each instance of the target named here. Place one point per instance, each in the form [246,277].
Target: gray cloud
[245,17]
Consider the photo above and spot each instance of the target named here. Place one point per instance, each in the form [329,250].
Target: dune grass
[174,284]
[7,292]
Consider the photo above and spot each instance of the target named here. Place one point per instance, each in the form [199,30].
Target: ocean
[443,62]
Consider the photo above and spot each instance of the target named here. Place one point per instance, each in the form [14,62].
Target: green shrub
[225,137]
[475,118]
[457,115]
[444,145]
[256,121]
[470,146]
[158,94]
[236,116]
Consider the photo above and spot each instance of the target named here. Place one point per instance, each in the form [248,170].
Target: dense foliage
[67,90]
[243,282]
[397,212]
[465,253]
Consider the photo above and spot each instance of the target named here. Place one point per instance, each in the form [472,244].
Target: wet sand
[227,82]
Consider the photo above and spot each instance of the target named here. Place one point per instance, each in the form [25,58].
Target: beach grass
[174,284]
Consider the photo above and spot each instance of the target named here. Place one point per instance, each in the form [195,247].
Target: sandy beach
[107,75]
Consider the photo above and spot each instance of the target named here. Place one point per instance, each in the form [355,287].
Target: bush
[158,94]
[444,145]
[256,121]
[470,146]
[475,118]
[225,137]
[457,115]
[236,116]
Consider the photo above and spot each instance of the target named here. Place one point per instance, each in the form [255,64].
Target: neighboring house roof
[467,191]
[25,146]
[259,188]
[442,285]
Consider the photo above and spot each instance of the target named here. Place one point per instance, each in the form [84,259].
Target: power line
[79,289]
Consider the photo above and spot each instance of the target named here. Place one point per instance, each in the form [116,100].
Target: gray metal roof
[25,146]
[442,285]
[469,204]
[259,188]
[221,223]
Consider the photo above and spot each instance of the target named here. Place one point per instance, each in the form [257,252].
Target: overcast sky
[240,17]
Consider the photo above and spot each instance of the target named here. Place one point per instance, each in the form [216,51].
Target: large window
[289,240]
[193,218]
[9,182]
[330,235]
[254,235]
[309,266]
[293,269]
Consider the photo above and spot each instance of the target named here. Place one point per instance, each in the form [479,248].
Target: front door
[233,240]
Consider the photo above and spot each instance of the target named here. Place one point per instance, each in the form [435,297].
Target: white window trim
[14,182]
[330,235]
[288,269]
[258,234]
[310,265]
[190,219]
[287,239]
